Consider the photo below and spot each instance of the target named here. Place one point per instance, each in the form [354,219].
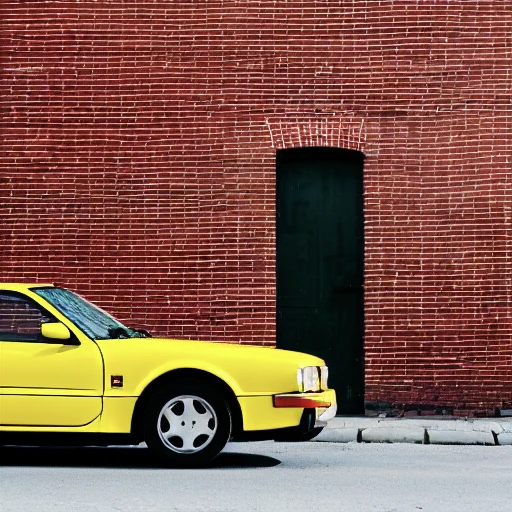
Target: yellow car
[70,372]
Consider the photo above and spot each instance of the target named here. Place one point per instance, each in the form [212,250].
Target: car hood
[235,350]
[249,370]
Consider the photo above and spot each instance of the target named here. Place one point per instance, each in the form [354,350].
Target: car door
[44,382]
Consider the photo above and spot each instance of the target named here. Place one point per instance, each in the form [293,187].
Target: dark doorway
[320,263]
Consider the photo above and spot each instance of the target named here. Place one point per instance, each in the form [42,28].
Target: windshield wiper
[140,333]
[118,332]
[127,332]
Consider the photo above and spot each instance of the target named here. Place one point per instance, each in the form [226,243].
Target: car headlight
[312,378]
[324,375]
[308,379]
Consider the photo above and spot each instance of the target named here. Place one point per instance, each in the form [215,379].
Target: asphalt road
[263,476]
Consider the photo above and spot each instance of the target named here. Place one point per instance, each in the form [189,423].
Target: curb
[393,435]
[484,432]
[413,435]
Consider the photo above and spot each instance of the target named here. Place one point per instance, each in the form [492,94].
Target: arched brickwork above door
[336,130]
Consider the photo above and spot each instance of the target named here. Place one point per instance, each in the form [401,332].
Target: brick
[138,158]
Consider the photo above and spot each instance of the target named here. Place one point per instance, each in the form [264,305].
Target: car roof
[20,287]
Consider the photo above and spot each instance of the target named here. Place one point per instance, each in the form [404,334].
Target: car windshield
[92,320]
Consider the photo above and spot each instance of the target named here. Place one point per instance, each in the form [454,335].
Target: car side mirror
[55,331]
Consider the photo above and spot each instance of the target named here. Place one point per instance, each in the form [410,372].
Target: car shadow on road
[116,457]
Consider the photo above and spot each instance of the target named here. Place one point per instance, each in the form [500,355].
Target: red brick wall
[138,167]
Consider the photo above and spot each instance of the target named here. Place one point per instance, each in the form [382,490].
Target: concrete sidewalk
[421,430]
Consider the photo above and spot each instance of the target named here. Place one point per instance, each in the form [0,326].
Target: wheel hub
[187,424]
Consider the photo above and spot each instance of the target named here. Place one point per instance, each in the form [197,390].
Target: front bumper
[287,416]
[324,404]
[329,413]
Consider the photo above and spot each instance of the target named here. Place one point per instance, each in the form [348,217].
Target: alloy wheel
[187,424]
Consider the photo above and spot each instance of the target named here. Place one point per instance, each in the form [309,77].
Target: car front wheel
[187,424]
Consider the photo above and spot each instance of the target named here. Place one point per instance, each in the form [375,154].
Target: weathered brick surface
[138,166]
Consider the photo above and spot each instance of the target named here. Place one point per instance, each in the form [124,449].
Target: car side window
[21,319]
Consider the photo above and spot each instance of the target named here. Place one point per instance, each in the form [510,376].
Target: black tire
[312,434]
[297,436]
[187,424]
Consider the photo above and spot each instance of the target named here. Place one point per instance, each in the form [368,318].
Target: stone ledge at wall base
[388,410]
[468,431]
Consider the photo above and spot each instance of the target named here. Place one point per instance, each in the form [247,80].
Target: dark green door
[320,263]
